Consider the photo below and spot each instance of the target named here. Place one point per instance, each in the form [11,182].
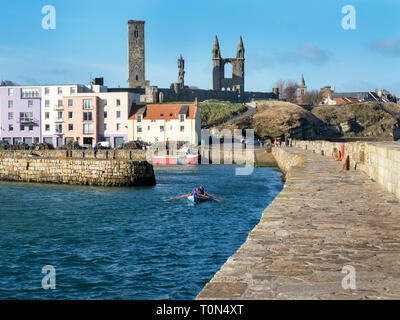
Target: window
[47,115]
[182,118]
[87,104]
[69,115]
[46,91]
[70,103]
[104,102]
[118,126]
[152,121]
[30,103]
[29,93]
[87,116]
[87,128]
[168,120]
[59,90]
[10,116]
[68,140]
[118,102]
[182,128]
[70,127]
[161,128]
[59,115]
[46,103]
[26,116]
[28,141]
[59,128]
[136,34]
[139,129]
[139,118]
[162,115]
[10,127]
[30,127]
[60,104]
[72,90]
[48,140]
[10,103]
[105,126]
[10,91]
[21,127]
[47,127]
[118,114]
[170,114]
[148,128]
[105,114]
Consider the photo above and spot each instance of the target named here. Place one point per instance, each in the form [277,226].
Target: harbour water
[127,243]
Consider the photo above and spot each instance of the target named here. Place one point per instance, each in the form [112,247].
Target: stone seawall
[114,154]
[77,171]
[379,160]
[325,222]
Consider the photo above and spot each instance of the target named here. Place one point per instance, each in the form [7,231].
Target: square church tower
[136,58]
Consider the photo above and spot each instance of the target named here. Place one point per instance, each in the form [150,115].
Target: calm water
[127,243]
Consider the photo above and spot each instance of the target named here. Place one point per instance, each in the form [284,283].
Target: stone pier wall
[77,171]
[113,154]
[379,160]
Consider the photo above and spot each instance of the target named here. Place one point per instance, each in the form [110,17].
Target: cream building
[165,122]
[52,108]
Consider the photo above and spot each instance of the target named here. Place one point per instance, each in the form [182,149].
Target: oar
[219,200]
[214,197]
[185,195]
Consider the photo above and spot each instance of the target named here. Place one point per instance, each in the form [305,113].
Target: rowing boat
[196,199]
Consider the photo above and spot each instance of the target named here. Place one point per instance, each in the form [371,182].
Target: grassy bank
[218,112]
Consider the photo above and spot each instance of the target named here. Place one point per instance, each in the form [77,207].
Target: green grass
[213,113]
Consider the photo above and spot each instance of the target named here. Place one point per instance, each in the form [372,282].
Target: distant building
[58,114]
[20,114]
[302,88]
[335,97]
[165,122]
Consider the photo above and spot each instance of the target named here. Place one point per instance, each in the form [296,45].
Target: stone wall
[77,171]
[187,94]
[286,160]
[379,160]
[117,154]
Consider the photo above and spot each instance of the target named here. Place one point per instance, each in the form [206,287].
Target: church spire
[240,49]
[302,82]
[215,51]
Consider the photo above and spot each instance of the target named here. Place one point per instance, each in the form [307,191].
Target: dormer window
[162,115]
[139,118]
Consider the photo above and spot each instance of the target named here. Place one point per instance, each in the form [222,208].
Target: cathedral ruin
[225,87]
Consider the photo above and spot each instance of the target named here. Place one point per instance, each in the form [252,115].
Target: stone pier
[93,172]
[326,223]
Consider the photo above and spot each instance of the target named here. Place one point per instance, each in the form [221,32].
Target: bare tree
[290,90]
[313,97]
[280,84]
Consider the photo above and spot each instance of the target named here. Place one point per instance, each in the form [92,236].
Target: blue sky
[282,39]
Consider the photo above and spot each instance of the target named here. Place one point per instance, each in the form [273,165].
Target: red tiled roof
[163,111]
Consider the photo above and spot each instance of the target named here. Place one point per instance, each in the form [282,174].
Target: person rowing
[201,190]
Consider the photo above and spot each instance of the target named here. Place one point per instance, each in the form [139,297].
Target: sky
[282,39]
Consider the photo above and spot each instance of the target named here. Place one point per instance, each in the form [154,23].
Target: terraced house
[92,117]
[20,110]
[165,122]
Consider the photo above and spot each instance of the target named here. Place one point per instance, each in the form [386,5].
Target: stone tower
[302,88]
[221,81]
[181,72]
[136,58]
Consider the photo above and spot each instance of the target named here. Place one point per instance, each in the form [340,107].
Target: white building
[165,122]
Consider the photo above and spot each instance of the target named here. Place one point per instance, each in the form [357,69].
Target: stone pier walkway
[324,219]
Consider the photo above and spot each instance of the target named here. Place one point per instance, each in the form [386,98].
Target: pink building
[80,119]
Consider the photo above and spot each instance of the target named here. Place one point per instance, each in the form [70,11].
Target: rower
[201,190]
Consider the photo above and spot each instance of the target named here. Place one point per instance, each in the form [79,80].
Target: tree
[313,97]
[280,84]
[290,90]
